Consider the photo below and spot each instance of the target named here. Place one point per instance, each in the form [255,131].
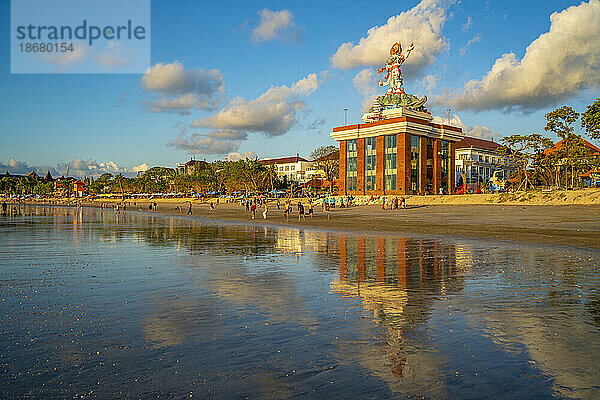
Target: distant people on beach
[310,208]
[4,207]
[301,211]
[252,210]
[189,211]
[265,211]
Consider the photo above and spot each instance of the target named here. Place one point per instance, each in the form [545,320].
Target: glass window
[445,167]
[391,162]
[415,165]
[370,162]
[351,165]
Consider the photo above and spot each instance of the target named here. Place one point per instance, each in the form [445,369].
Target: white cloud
[81,51]
[197,143]
[557,65]
[141,168]
[78,168]
[179,90]
[114,55]
[365,83]
[272,113]
[82,168]
[463,49]
[421,25]
[477,131]
[429,82]
[241,156]
[276,25]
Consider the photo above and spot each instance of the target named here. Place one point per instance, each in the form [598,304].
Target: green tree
[327,158]
[590,119]
[572,152]
[522,151]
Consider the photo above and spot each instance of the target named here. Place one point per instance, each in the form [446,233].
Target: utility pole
[345,116]
[449,112]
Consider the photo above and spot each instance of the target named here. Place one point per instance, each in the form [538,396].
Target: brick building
[399,152]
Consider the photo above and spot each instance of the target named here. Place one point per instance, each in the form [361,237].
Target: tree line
[539,162]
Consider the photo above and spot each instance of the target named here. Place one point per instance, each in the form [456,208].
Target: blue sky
[273,78]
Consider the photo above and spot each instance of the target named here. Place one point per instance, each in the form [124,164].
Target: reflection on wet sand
[396,279]
[234,311]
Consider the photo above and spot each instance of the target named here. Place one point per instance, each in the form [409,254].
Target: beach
[571,224]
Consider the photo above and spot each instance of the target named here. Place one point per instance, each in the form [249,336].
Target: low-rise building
[477,159]
[190,167]
[294,169]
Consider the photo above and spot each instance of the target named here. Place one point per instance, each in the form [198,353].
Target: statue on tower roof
[395,96]
[392,67]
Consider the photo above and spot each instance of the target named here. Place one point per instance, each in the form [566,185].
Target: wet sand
[573,225]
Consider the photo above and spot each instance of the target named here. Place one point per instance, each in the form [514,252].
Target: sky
[232,79]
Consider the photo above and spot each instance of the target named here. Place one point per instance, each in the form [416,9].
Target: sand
[569,218]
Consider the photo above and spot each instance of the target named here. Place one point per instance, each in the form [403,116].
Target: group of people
[393,204]
[330,202]
[303,211]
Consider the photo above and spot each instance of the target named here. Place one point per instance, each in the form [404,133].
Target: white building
[477,159]
[295,169]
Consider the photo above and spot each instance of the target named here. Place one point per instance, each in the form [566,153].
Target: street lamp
[345,116]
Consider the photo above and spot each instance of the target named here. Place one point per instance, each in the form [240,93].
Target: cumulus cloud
[141,168]
[421,24]
[558,64]
[15,167]
[477,131]
[82,168]
[77,168]
[276,25]
[241,156]
[179,90]
[273,113]
[365,83]
[197,143]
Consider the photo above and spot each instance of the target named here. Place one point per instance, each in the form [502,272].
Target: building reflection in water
[397,280]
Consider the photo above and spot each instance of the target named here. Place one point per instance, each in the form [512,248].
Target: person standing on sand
[402,202]
[287,210]
[253,210]
[383,203]
[395,203]
[189,211]
[4,207]
[301,211]
[278,204]
[212,206]
[265,211]
[310,208]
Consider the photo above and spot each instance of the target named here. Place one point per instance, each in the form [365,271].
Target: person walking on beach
[402,202]
[395,203]
[301,211]
[247,205]
[265,211]
[278,204]
[189,211]
[253,210]
[383,203]
[4,207]
[310,208]
[286,210]
[212,206]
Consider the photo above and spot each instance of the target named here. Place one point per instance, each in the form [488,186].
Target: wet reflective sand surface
[98,305]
